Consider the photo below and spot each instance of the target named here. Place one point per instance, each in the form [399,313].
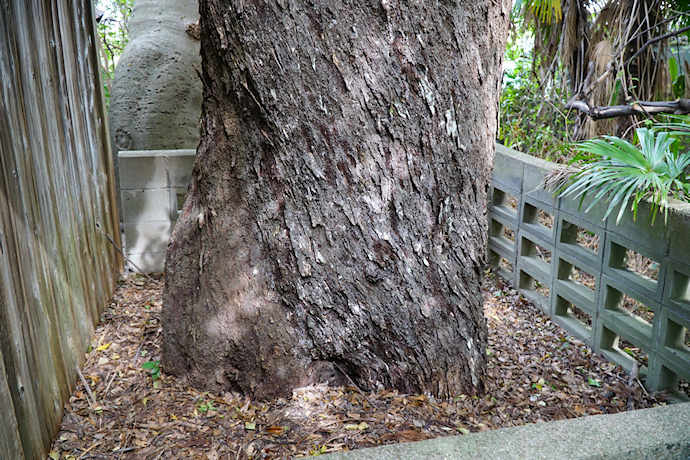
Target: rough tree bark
[336,215]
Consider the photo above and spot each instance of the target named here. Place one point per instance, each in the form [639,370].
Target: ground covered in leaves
[124,407]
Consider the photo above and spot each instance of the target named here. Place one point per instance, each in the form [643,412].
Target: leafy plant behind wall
[113,31]
[528,121]
[618,171]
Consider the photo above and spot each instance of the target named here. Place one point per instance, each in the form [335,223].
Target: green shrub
[528,121]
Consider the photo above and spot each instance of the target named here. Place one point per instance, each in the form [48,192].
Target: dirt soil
[124,409]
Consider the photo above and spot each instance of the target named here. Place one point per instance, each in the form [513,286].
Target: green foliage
[548,11]
[529,121]
[677,78]
[617,170]
[154,368]
[204,406]
[567,37]
[113,30]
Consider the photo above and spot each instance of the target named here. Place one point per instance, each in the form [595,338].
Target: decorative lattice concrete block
[622,288]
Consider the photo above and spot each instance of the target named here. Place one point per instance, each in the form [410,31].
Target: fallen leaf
[274,430]
[250,425]
[104,346]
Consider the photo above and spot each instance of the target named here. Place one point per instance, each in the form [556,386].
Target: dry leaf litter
[123,408]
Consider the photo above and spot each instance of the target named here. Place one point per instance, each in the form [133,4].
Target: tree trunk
[335,220]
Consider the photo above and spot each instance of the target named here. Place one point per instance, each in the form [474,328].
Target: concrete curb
[657,433]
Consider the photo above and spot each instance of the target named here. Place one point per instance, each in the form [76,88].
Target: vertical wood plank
[56,197]
[10,442]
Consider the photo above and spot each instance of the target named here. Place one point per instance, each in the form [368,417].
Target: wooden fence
[57,198]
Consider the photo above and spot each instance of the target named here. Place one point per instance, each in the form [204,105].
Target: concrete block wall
[153,185]
[540,244]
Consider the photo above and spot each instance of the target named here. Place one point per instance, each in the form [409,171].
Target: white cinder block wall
[153,184]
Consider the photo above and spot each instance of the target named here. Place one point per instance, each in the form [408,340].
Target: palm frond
[616,171]
[547,11]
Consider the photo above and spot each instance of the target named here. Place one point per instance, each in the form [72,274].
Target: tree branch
[654,40]
[610,70]
[637,35]
[645,108]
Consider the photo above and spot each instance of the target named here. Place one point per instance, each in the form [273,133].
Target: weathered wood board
[57,197]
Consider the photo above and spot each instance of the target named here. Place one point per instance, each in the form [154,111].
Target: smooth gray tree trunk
[156,95]
[336,215]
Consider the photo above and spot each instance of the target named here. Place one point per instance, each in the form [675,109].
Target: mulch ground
[537,373]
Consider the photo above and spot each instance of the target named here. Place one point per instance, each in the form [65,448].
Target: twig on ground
[136,354]
[89,449]
[110,382]
[92,398]
[118,249]
[353,384]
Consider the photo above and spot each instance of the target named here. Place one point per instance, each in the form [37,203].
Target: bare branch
[610,70]
[638,34]
[644,108]
[654,40]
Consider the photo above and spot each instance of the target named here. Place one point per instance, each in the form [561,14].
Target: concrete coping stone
[155,153]
[524,158]
[657,433]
